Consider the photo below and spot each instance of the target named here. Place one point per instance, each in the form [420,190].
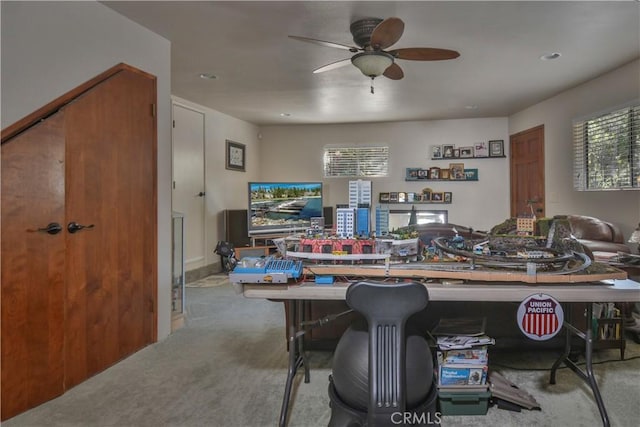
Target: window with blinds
[356,162]
[607,150]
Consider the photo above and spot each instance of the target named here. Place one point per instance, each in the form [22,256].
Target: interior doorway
[189,194]
[527,172]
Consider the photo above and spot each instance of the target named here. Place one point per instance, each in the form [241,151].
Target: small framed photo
[437,196]
[426,196]
[447,151]
[456,153]
[456,171]
[423,174]
[411,197]
[384,198]
[436,152]
[444,173]
[412,173]
[471,174]
[447,197]
[496,148]
[402,197]
[466,152]
[393,197]
[236,153]
[417,197]
[480,149]
[434,173]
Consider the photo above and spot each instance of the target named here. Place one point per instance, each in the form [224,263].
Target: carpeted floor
[209,282]
[227,367]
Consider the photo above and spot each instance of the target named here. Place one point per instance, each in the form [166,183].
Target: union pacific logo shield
[540,317]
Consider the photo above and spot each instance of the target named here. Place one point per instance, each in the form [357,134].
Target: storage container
[464,403]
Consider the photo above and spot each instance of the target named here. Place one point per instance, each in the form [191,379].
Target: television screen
[283,206]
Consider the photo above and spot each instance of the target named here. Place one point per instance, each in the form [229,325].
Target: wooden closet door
[111,188]
[33,267]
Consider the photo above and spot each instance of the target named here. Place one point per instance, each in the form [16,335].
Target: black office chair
[383,370]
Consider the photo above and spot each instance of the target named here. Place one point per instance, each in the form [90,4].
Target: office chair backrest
[386,308]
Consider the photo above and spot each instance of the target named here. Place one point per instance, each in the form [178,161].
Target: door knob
[51,228]
[74,227]
[201,194]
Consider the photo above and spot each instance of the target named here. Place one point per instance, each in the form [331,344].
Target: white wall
[225,189]
[49,48]
[557,113]
[293,153]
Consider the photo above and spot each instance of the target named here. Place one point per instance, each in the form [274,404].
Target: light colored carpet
[209,282]
[227,367]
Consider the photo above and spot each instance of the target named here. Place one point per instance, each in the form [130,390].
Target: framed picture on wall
[235,155]
[466,152]
[480,149]
[456,171]
[447,151]
[434,173]
[447,197]
[496,148]
[436,152]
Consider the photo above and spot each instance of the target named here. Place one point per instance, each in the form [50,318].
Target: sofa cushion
[589,228]
[600,246]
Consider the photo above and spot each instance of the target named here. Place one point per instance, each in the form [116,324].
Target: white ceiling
[263,73]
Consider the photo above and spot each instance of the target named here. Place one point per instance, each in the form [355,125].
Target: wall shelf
[439,180]
[415,203]
[461,159]
[441,174]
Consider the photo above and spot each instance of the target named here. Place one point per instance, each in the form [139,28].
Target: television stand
[266,239]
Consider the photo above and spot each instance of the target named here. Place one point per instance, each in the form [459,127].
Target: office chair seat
[382,370]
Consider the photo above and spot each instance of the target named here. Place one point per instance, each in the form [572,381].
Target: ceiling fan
[373,36]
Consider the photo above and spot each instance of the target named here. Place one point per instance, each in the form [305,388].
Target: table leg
[586,375]
[297,357]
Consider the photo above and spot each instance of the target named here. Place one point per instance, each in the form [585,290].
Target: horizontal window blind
[607,150]
[356,162]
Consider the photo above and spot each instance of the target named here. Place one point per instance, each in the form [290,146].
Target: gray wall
[49,48]
[291,153]
[556,113]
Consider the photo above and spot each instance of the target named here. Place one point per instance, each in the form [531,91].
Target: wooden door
[33,267]
[188,181]
[110,189]
[527,172]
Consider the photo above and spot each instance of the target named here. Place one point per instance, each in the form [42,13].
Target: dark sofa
[597,235]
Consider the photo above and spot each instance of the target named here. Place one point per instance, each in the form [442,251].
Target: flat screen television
[282,207]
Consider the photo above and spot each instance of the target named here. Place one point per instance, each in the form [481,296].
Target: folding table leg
[586,375]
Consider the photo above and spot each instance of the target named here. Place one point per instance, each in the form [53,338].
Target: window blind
[356,162]
[607,150]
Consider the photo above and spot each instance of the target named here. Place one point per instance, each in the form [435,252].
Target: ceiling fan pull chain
[372,85]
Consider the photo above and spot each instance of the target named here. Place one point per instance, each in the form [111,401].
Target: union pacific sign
[540,317]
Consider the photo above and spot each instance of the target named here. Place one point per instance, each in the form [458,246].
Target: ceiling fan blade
[387,33]
[424,54]
[332,66]
[326,44]
[394,72]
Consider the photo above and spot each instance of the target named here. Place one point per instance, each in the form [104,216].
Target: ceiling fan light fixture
[372,64]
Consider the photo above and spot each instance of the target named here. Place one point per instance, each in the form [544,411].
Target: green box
[464,403]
